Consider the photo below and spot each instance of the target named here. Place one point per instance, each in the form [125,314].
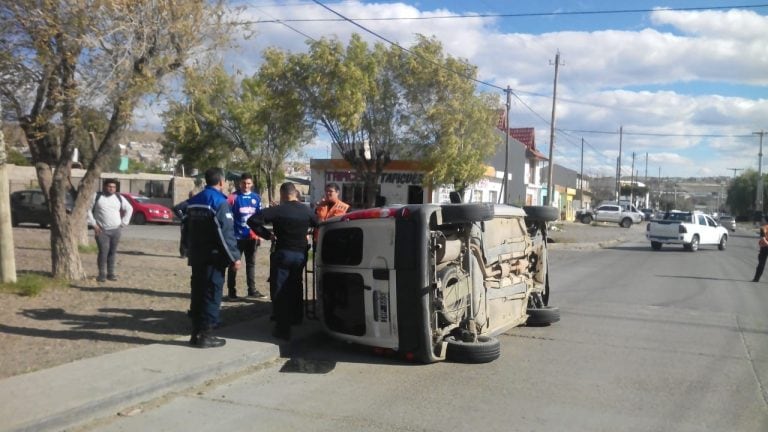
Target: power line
[513,15]
[660,134]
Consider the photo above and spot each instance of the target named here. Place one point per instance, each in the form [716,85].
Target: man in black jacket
[212,247]
[291,221]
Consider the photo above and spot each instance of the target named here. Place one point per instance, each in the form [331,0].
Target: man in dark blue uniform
[291,221]
[211,248]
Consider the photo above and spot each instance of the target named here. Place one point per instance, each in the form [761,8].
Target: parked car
[30,206]
[623,214]
[432,281]
[648,213]
[145,211]
[728,222]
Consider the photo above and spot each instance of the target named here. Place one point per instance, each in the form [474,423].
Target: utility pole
[759,199]
[658,203]
[735,170]
[632,180]
[618,165]
[505,181]
[550,185]
[581,182]
[647,186]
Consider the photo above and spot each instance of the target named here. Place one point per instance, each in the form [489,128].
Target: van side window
[343,246]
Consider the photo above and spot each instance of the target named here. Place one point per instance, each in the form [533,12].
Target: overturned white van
[434,281]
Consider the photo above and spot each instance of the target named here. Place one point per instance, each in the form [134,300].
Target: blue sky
[689,88]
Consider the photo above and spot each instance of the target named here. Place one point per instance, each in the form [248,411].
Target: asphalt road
[649,341]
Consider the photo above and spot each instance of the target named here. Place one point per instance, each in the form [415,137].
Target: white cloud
[600,83]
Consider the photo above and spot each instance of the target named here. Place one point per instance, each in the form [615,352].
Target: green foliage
[384,103]
[88,249]
[17,158]
[742,193]
[252,127]
[29,284]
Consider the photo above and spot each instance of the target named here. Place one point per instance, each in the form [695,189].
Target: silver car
[728,222]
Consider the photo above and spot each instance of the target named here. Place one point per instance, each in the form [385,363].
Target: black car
[29,206]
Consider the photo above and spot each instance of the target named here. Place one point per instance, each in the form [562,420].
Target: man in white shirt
[109,212]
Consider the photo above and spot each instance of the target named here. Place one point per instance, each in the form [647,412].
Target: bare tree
[59,56]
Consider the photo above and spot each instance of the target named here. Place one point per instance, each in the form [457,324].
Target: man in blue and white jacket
[245,203]
[211,247]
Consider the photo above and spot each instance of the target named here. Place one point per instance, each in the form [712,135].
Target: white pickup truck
[689,229]
[622,213]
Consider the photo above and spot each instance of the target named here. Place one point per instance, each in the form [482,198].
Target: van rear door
[355,276]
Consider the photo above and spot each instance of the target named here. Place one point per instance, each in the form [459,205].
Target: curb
[100,387]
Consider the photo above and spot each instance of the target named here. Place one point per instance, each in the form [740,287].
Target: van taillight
[374,213]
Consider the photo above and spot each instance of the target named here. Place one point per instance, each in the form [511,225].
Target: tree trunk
[7,258]
[65,255]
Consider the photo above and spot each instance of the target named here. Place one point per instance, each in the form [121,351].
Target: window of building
[354,194]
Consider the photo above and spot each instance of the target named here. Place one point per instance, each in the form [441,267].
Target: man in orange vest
[331,205]
[761,257]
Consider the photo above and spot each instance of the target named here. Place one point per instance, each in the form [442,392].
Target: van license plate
[380,306]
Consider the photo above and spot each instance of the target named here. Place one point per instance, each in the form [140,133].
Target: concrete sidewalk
[75,393]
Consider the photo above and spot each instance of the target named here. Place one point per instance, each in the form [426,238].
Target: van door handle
[367,288]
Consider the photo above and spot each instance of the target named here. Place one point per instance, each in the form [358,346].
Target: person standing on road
[212,247]
[108,214]
[761,257]
[291,221]
[245,203]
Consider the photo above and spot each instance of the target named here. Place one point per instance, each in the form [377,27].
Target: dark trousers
[285,273]
[207,284]
[107,243]
[761,257]
[248,248]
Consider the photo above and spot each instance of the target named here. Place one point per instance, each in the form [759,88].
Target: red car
[145,211]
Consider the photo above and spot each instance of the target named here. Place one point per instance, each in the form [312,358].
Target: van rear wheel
[542,213]
[485,350]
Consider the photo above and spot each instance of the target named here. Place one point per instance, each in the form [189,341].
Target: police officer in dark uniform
[211,248]
[291,221]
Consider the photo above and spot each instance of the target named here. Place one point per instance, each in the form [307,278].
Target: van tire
[485,350]
[466,213]
[586,219]
[542,213]
[542,316]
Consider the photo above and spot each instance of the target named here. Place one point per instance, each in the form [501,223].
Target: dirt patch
[147,304]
